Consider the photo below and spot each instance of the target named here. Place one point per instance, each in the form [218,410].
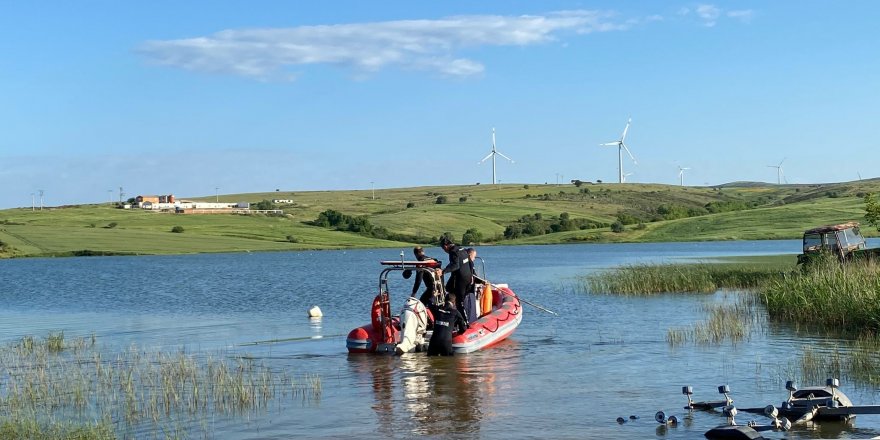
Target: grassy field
[773,211]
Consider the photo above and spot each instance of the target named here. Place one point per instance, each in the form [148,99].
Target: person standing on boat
[426,276]
[447,321]
[468,305]
[460,274]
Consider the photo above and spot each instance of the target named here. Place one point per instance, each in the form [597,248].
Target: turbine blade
[630,153]
[502,155]
[611,144]
[783,160]
[486,158]
[623,136]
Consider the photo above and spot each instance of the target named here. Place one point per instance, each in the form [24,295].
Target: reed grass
[724,323]
[645,279]
[58,388]
[828,295]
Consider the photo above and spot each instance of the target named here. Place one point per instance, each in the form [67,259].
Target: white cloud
[709,14]
[744,15]
[368,47]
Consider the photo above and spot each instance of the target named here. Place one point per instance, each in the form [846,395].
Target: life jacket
[380,317]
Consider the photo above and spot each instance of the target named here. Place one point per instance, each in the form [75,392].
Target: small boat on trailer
[500,315]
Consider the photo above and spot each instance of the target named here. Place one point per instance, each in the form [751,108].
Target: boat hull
[493,327]
[487,331]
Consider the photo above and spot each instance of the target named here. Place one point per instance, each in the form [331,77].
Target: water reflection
[448,396]
[434,396]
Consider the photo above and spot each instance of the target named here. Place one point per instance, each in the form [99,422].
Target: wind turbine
[620,147]
[681,175]
[625,176]
[779,172]
[492,154]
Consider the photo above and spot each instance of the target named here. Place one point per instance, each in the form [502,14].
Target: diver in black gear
[427,277]
[459,270]
[447,321]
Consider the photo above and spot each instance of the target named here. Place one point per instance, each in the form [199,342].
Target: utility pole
[41,200]
[217,194]
[33,202]
[121,194]
[373,189]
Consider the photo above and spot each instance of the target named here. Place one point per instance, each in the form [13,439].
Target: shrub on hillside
[617,227]
[264,205]
[177,229]
[441,200]
[471,236]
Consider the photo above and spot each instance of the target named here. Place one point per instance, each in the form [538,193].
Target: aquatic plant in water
[829,295]
[643,279]
[60,388]
[724,323]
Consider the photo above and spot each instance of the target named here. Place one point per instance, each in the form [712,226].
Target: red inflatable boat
[500,315]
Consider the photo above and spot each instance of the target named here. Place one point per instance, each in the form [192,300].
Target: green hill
[502,214]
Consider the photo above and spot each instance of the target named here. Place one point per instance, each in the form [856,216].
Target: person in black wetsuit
[459,270]
[426,276]
[447,321]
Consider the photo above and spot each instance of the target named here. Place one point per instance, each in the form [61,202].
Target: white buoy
[315,312]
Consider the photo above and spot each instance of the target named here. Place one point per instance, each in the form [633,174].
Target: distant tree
[513,231]
[872,210]
[526,186]
[177,229]
[131,201]
[577,183]
[264,205]
[462,199]
[410,205]
[598,180]
[441,200]
[471,236]
[617,227]
[563,216]
[292,239]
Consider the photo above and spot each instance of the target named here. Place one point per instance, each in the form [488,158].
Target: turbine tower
[620,147]
[492,154]
[779,172]
[681,175]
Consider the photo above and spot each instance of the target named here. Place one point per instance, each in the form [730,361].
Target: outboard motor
[414,324]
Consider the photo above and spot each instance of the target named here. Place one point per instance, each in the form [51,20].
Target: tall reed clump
[675,278]
[852,361]
[829,295]
[59,388]
[724,323]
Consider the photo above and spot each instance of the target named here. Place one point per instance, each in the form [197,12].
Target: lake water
[569,376]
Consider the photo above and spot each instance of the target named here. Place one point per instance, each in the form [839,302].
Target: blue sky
[185,97]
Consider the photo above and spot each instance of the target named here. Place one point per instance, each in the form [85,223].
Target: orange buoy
[486,300]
